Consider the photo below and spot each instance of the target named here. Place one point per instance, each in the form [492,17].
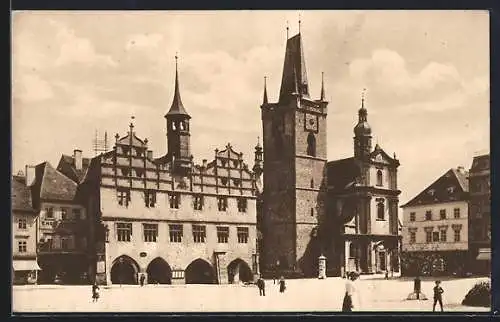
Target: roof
[294,69]
[21,195]
[67,167]
[51,184]
[451,186]
[480,163]
[130,137]
[177,108]
[342,173]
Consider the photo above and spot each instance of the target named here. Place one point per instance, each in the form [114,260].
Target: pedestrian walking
[261,284]
[142,279]
[351,298]
[95,292]
[386,274]
[438,296]
[282,284]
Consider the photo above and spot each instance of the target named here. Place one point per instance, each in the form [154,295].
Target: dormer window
[431,192]
[451,190]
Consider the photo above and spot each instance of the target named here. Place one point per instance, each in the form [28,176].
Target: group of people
[261,285]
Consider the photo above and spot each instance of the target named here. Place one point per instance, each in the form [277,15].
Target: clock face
[311,122]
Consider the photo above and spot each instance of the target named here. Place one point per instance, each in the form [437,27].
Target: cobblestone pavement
[301,295]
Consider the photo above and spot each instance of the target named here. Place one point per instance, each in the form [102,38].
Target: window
[224,181]
[456,235]
[311,145]
[380,210]
[222,234]
[49,213]
[176,233]
[123,231]
[222,203]
[139,172]
[174,200]
[123,196]
[428,215]
[77,214]
[379,178]
[443,235]
[22,246]
[150,198]
[235,163]
[435,236]
[242,205]
[456,213]
[442,214]
[125,150]
[412,216]
[125,172]
[22,223]
[431,192]
[198,202]
[199,233]
[413,237]
[64,213]
[312,183]
[65,243]
[237,182]
[242,235]
[312,212]
[150,232]
[428,236]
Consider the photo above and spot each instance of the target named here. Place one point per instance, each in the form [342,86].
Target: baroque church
[345,210]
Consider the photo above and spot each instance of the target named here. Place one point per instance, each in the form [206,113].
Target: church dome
[362,128]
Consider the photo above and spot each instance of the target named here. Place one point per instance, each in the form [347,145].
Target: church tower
[178,135]
[295,152]
[362,134]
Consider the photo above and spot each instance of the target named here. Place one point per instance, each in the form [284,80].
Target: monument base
[417,296]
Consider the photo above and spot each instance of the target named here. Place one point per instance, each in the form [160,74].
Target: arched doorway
[159,272]
[238,270]
[199,272]
[124,271]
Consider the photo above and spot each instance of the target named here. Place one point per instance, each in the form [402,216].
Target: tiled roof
[21,195]
[342,173]
[67,167]
[451,186]
[51,184]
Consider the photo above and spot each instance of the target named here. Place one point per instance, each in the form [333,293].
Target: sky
[426,75]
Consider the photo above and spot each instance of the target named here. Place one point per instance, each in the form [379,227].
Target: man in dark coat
[261,284]
[438,296]
[142,279]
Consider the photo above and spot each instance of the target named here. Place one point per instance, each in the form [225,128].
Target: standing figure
[438,296]
[351,297]
[386,274]
[282,284]
[142,279]
[95,292]
[262,286]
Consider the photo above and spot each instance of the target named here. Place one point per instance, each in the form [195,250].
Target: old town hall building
[345,210]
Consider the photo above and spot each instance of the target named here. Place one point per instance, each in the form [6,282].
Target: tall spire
[322,86]
[177,108]
[287,29]
[265,101]
[294,70]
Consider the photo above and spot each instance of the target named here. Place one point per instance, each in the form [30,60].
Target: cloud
[31,88]
[74,49]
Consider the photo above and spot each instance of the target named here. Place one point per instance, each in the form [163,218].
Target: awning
[484,254]
[25,265]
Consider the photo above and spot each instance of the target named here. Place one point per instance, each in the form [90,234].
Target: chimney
[150,155]
[30,175]
[77,155]
[204,163]
[460,169]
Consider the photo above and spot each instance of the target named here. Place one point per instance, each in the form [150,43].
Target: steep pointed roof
[177,108]
[294,69]
[451,186]
[21,195]
[51,184]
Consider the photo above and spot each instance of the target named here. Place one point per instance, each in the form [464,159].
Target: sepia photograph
[250,161]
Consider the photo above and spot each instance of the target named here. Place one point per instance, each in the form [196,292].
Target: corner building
[168,219]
